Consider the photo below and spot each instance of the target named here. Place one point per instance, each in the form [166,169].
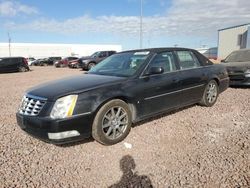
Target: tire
[90,65]
[112,122]
[22,69]
[210,94]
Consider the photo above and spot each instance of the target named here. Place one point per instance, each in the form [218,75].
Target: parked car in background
[11,64]
[74,64]
[50,61]
[125,88]
[238,67]
[64,62]
[94,59]
[37,62]
[30,60]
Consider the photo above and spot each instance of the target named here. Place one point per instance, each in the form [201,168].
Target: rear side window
[110,53]
[164,60]
[187,60]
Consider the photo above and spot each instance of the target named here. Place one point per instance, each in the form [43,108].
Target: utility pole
[9,39]
[141,32]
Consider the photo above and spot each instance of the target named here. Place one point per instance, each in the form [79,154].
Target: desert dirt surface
[192,147]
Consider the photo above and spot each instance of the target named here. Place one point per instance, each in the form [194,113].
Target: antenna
[141,24]
[9,39]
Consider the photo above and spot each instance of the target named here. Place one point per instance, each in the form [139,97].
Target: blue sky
[186,23]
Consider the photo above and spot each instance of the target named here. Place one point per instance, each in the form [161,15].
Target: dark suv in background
[86,63]
[50,61]
[12,64]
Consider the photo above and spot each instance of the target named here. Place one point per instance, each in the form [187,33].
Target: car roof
[157,50]
[10,57]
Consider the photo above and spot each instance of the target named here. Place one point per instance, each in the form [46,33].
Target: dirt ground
[192,147]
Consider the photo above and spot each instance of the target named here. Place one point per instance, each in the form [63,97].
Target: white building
[233,38]
[39,50]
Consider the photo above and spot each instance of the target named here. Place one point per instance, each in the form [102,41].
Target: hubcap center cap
[115,122]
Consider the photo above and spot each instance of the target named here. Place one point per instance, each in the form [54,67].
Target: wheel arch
[214,77]
[126,99]
[92,62]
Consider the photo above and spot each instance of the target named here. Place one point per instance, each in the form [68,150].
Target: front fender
[91,101]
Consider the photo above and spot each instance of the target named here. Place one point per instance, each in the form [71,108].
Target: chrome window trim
[145,76]
[169,93]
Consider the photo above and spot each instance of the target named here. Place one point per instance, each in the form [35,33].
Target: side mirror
[156,70]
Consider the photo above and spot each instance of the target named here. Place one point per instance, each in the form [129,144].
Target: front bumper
[41,127]
[239,79]
[84,66]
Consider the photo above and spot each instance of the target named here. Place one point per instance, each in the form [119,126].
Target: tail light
[25,61]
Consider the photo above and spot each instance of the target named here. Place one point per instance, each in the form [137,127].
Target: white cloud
[184,18]
[13,8]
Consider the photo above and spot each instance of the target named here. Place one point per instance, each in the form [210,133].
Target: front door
[159,92]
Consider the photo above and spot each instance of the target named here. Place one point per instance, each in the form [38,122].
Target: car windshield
[95,54]
[238,56]
[123,64]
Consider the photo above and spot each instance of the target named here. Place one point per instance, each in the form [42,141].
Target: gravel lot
[193,147]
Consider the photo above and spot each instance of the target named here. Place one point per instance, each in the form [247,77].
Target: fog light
[61,135]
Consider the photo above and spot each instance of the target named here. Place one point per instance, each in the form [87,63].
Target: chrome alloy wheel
[115,122]
[212,92]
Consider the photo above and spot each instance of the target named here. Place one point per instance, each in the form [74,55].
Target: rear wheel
[112,122]
[210,94]
[22,69]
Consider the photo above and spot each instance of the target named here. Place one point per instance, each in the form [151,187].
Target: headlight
[64,107]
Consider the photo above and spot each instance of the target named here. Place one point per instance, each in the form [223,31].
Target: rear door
[193,78]
[159,92]
[3,64]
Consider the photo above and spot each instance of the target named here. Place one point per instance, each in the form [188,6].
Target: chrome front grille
[31,105]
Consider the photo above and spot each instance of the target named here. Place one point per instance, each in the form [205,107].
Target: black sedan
[238,67]
[125,88]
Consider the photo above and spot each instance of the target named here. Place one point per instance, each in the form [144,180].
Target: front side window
[187,60]
[164,60]
[102,54]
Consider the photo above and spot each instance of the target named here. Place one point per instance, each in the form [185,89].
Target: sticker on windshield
[142,53]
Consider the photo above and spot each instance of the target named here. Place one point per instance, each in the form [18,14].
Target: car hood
[72,85]
[89,59]
[85,57]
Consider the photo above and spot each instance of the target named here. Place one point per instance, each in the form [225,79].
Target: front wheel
[90,65]
[112,122]
[210,94]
